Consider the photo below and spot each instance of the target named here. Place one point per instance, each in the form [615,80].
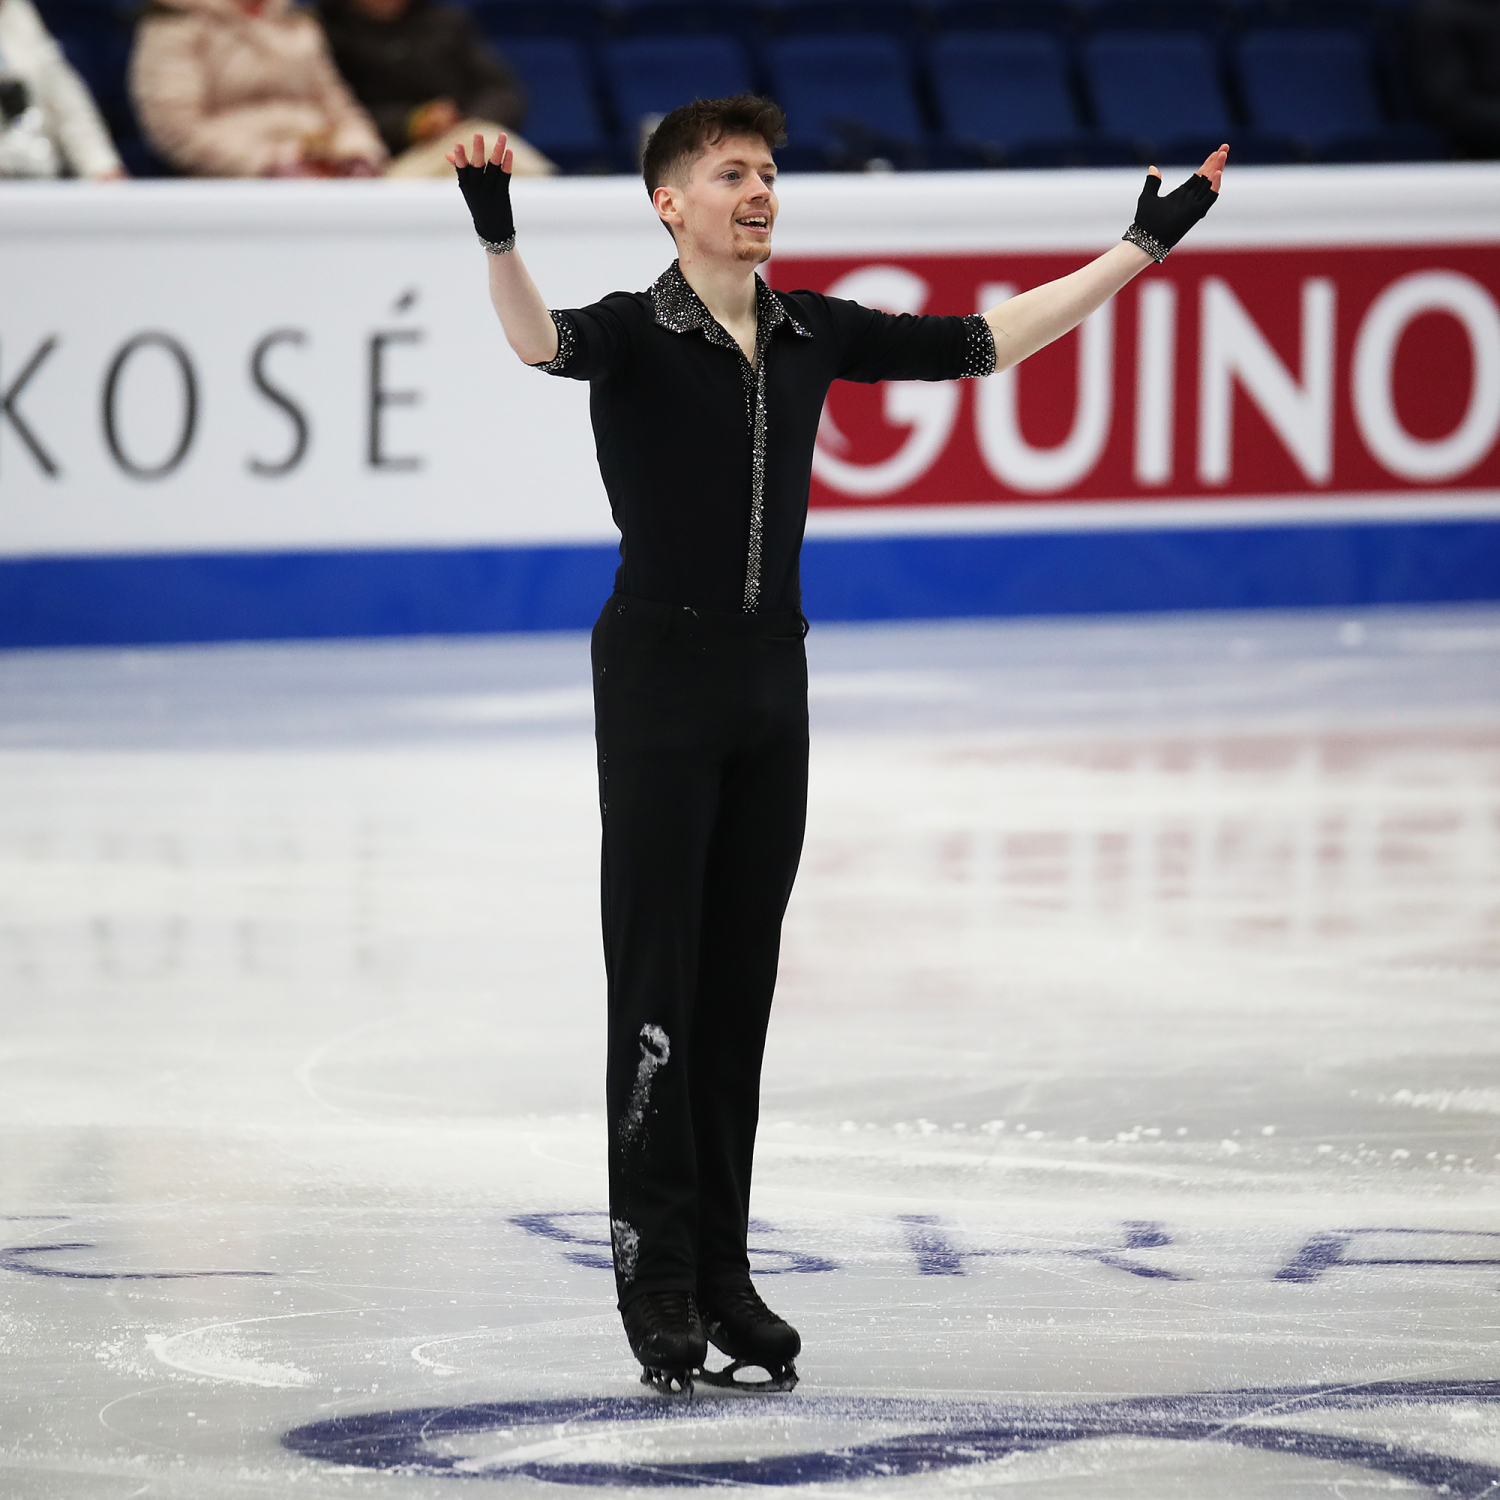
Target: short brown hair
[691,128]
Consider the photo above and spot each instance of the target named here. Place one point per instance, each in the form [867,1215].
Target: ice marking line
[15,1259]
[1325,1252]
[547,1227]
[656,1048]
[939,1435]
[937,1255]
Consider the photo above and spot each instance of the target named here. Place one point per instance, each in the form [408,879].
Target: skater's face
[725,208]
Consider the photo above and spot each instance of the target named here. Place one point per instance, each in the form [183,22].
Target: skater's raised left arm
[1035,318]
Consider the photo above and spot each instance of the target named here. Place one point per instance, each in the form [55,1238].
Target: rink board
[280,410]
[279,596]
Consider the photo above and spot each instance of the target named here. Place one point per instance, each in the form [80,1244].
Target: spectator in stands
[1455,59]
[427,78]
[48,120]
[246,88]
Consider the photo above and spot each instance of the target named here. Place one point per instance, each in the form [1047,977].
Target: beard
[755,254]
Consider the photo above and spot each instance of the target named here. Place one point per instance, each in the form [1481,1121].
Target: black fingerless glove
[487,192]
[1161,222]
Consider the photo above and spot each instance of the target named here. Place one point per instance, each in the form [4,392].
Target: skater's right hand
[486,189]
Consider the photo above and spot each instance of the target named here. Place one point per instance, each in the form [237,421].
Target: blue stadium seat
[562,115]
[1318,88]
[743,19]
[577,20]
[840,17]
[848,99]
[1056,16]
[96,38]
[1160,90]
[1005,94]
[648,76]
[1210,17]
[1318,15]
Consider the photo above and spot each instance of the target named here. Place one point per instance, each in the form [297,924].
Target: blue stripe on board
[1064,573]
[122,600]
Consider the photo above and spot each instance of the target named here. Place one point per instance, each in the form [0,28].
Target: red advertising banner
[1221,373]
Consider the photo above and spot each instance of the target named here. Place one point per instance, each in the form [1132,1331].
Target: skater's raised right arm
[529,327]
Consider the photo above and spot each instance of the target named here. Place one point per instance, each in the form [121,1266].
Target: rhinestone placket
[679,308]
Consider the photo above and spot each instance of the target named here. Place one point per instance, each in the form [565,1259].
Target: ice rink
[1131,1121]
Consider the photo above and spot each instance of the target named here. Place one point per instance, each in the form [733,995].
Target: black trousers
[701,725]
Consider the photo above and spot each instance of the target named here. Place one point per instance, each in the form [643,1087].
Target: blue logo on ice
[794,1440]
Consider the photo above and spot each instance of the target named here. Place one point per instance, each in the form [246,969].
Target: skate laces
[742,1303]
[672,1310]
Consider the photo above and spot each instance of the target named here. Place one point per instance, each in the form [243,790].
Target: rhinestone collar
[677,307]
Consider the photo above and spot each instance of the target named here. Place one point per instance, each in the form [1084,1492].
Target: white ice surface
[1160,946]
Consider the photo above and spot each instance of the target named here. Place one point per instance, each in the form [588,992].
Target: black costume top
[707,459]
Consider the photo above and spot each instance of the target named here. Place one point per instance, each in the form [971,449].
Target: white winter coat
[30,52]
[224,93]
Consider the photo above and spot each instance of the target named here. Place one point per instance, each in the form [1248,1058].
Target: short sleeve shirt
[707,458]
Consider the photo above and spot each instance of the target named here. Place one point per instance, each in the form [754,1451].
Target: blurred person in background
[246,88]
[1455,59]
[49,123]
[425,75]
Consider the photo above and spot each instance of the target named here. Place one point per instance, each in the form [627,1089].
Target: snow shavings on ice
[221,1353]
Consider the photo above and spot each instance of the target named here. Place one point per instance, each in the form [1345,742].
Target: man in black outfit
[1454,57]
[419,67]
[705,394]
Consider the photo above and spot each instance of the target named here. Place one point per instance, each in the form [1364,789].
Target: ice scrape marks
[800,1440]
[656,1048]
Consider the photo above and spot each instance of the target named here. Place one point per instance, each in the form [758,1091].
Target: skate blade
[782,1379]
[669,1382]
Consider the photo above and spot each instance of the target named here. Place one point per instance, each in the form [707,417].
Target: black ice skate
[666,1335]
[740,1325]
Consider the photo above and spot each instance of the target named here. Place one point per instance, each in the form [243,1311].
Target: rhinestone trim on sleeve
[1147,242]
[567,342]
[499,247]
[979,351]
